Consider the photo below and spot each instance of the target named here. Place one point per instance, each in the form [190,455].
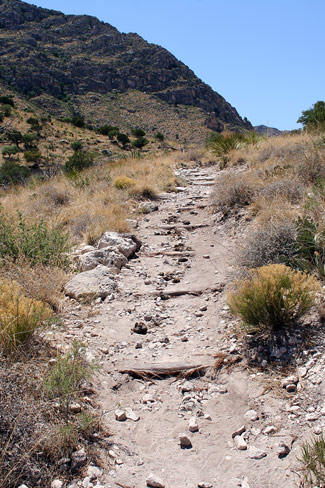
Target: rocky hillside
[59,61]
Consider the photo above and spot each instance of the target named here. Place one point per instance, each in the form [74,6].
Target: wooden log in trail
[164,369]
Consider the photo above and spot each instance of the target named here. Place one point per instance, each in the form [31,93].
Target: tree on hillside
[123,139]
[314,118]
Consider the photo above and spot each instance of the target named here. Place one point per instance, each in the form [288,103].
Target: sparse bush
[233,191]
[312,166]
[68,374]
[290,189]
[273,296]
[12,172]
[123,182]
[310,246]
[272,243]
[38,243]
[313,462]
[19,316]
[159,136]
[76,146]
[79,161]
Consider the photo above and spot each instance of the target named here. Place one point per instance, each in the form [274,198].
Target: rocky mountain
[69,63]
[264,130]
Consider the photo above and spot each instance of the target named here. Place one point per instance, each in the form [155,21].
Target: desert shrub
[123,139]
[310,246]
[140,142]
[68,374]
[54,196]
[9,151]
[144,191]
[39,282]
[313,462]
[14,136]
[290,189]
[78,120]
[233,191]
[79,161]
[19,316]
[138,132]
[12,172]
[273,296]
[312,166]
[6,100]
[114,132]
[159,136]
[106,129]
[76,145]
[29,140]
[221,144]
[37,242]
[123,182]
[33,156]
[274,242]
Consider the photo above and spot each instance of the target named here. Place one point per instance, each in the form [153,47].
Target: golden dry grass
[90,203]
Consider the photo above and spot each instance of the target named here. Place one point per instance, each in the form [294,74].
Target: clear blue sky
[266,57]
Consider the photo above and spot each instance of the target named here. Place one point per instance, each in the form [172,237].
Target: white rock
[207,416]
[75,408]
[311,417]
[239,431]
[148,398]
[193,425]
[94,472]
[120,415]
[251,415]
[86,249]
[86,483]
[131,415]
[293,379]
[56,484]
[205,485]
[270,429]
[22,486]
[127,244]
[240,443]
[283,450]
[184,441]
[107,256]
[154,481]
[255,453]
[244,483]
[98,282]
[255,431]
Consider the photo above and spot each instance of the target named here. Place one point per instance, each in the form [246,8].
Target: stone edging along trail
[224,427]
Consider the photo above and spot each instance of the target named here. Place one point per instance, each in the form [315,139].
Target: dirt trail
[183,251]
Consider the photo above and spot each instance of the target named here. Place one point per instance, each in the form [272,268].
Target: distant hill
[76,63]
[267,131]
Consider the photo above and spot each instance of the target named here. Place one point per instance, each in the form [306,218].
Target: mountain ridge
[45,52]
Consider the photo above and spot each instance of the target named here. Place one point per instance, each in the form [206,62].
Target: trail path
[184,251]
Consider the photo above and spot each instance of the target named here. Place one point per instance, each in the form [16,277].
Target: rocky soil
[229,424]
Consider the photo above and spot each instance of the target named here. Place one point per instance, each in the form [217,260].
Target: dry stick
[164,369]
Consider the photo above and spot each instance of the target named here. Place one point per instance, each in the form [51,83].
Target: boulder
[127,244]
[107,256]
[98,282]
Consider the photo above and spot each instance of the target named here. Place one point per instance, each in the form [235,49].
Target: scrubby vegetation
[313,462]
[273,296]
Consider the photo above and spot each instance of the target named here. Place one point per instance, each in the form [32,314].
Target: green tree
[33,156]
[12,172]
[159,136]
[5,100]
[314,118]
[29,140]
[104,130]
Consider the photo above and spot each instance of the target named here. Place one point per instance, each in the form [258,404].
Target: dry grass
[90,204]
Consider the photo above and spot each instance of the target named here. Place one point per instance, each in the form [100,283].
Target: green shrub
[273,296]
[38,243]
[313,461]
[33,156]
[9,151]
[15,136]
[104,130]
[19,316]
[29,140]
[221,144]
[79,161]
[123,139]
[159,136]
[5,100]
[310,246]
[113,133]
[68,374]
[138,132]
[76,146]
[12,172]
[140,142]
[78,120]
